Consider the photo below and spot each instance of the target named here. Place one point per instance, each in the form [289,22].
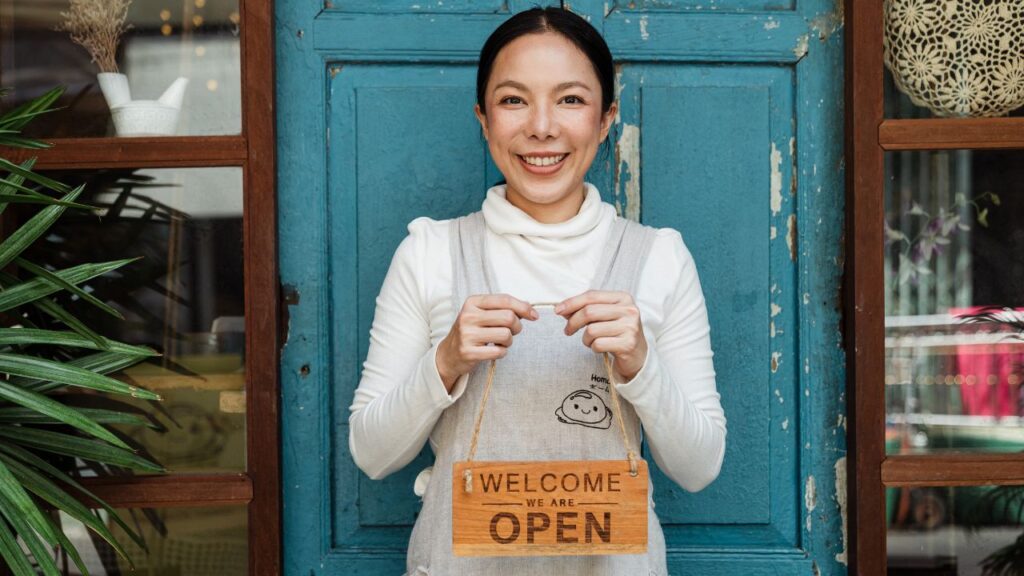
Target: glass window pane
[184,298]
[954,296]
[953,58]
[970,530]
[181,541]
[193,39]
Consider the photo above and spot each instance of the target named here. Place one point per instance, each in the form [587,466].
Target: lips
[549,169]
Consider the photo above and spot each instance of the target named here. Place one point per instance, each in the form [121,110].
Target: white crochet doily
[957,57]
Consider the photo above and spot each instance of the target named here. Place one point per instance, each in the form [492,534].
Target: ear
[482,118]
[608,118]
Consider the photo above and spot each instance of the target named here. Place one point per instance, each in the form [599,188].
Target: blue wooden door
[730,131]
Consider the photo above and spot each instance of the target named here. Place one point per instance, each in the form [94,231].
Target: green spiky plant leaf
[999,316]
[40,424]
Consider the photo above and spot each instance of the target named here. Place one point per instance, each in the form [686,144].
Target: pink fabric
[986,369]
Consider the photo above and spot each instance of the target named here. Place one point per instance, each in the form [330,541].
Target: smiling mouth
[543,161]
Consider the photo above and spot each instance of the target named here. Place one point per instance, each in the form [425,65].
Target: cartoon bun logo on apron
[585,408]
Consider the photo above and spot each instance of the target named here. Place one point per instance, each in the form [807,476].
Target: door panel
[699,124]
[693,185]
[729,131]
[379,180]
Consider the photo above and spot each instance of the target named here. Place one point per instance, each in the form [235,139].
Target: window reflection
[967,531]
[181,541]
[184,298]
[954,301]
[167,39]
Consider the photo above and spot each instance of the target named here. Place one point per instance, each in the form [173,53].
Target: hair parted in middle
[551,19]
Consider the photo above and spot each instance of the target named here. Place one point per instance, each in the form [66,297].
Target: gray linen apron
[550,401]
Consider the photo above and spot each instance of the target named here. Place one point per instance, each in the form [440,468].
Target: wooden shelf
[953,469]
[177,490]
[155,152]
[950,134]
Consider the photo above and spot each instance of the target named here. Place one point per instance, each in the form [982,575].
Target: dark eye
[573,100]
[507,100]
[595,408]
[576,406]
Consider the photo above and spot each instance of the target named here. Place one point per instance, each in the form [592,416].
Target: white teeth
[545,161]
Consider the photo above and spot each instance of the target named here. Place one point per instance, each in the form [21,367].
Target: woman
[462,292]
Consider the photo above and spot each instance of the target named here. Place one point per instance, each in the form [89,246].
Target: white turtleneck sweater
[401,396]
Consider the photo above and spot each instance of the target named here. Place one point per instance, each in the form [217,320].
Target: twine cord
[468,474]
[630,455]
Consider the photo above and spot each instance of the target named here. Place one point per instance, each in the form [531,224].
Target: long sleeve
[675,394]
[400,395]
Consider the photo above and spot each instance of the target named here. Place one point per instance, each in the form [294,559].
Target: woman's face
[543,123]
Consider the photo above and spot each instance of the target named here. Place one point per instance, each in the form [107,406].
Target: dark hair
[551,19]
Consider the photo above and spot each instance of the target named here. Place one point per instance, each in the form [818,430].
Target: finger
[499,336]
[613,344]
[482,353]
[503,317]
[597,330]
[571,305]
[593,313]
[499,301]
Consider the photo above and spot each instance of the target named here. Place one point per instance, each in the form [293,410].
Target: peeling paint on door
[810,499]
[791,236]
[776,180]
[841,500]
[627,168]
[618,92]
[800,50]
[828,23]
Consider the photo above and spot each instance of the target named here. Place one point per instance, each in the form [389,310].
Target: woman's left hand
[611,323]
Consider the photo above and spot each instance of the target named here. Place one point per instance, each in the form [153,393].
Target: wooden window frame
[254,152]
[868,136]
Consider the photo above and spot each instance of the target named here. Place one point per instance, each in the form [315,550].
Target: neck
[553,213]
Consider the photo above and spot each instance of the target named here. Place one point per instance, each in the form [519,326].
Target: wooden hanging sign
[546,508]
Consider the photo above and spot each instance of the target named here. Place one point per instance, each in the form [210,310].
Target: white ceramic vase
[142,117]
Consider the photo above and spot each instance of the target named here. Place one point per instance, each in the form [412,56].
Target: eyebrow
[559,88]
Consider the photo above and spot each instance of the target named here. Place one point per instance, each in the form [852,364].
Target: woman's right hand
[484,319]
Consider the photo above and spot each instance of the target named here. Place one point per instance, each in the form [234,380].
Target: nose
[542,123]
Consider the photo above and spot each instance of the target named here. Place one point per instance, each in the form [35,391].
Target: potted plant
[97,25]
[45,353]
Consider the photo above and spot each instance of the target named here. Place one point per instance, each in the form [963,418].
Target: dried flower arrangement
[97,25]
